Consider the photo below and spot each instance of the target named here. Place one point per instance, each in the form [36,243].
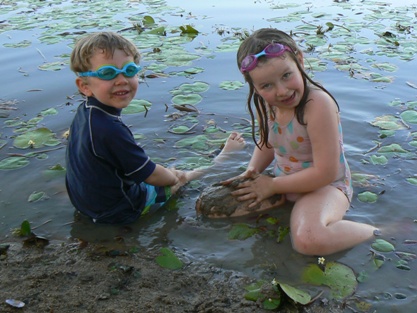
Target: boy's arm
[162,176]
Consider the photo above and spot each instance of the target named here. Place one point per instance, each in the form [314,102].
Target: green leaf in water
[13,163]
[189,30]
[231,85]
[295,294]
[382,245]
[392,148]
[367,197]
[191,99]
[25,229]
[137,106]
[409,116]
[37,196]
[168,260]
[35,139]
[241,232]
[338,277]
[379,159]
[412,180]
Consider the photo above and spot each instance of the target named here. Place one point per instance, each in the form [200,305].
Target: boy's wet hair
[102,42]
[254,44]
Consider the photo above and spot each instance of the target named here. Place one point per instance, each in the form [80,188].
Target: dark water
[361,101]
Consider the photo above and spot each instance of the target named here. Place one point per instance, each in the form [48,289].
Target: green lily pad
[197,87]
[379,159]
[382,245]
[231,85]
[367,197]
[13,163]
[169,260]
[409,116]
[53,66]
[198,142]
[191,99]
[392,148]
[51,111]
[338,277]
[35,139]
[54,172]
[37,196]
[387,122]
[254,291]
[137,106]
[241,232]
[295,294]
[25,229]
[412,180]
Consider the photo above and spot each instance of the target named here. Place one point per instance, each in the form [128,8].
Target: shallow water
[361,101]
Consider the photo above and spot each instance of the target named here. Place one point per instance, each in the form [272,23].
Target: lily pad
[169,260]
[338,277]
[409,116]
[382,245]
[13,163]
[379,159]
[368,197]
[191,99]
[295,294]
[241,232]
[35,139]
[137,106]
[231,85]
[38,196]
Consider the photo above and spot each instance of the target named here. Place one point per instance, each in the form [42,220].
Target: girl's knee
[307,241]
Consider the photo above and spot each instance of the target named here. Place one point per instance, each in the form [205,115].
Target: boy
[109,177]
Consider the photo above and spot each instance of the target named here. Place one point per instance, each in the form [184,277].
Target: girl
[299,128]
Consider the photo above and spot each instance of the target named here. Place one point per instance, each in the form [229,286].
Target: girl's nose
[281,90]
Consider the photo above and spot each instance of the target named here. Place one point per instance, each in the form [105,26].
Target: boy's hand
[180,181]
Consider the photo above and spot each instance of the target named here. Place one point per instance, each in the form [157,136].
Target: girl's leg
[317,225]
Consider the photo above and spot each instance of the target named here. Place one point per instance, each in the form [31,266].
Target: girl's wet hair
[254,44]
[101,42]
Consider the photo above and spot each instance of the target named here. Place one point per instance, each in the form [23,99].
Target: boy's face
[117,92]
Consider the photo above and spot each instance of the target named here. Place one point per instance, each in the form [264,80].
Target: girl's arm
[260,160]
[322,120]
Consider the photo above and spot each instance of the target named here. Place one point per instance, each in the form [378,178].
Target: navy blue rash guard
[105,166]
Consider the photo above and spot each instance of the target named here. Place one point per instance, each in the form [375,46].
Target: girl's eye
[287,75]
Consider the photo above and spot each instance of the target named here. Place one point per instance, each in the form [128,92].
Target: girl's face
[119,91]
[278,81]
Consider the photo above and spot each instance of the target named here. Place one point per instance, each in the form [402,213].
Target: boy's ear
[83,86]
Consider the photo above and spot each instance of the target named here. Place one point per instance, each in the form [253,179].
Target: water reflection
[198,238]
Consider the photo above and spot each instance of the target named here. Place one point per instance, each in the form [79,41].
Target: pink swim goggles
[271,50]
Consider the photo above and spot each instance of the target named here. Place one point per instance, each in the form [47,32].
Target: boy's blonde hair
[102,42]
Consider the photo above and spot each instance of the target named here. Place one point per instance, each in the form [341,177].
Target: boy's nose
[120,78]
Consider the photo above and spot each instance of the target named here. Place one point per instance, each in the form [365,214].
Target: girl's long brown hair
[254,44]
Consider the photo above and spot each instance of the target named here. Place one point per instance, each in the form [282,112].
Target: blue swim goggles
[109,72]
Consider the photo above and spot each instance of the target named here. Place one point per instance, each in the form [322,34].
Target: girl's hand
[259,188]
[249,173]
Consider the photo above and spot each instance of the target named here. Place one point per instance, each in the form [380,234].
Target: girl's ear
[83,86]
